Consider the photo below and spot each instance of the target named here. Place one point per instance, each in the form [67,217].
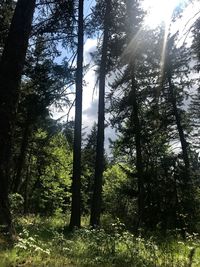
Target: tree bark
[11,67]
[183,141]
[173,100]
[26,181]
[99,163]
[75,220]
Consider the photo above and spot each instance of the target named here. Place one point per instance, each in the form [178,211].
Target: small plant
[32,244]
[43,242]
[16,204]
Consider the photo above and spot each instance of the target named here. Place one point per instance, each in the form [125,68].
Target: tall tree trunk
[138,146]
[26,181]
[186,183]
[135,116]
[75,220]
[99,163]
[183,141]
[173,100]
[11,67]
[186,186]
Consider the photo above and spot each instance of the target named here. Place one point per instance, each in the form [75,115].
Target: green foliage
[42,243]
[54,163]
[137,90]
[88,168]
[118,193]
[6,12]
[16,203]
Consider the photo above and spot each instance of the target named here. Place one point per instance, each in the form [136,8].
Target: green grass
[46,242]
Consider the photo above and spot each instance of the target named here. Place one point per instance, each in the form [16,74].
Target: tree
[6,12]
[75,219]
[195,97]
[196,43]
[136,124]
[88,168]
[169,68]
[144,116]
[131,93]
[11,67]
[44,85]
[46,183]
[99,164]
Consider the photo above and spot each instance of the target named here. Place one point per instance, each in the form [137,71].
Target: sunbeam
[159,11]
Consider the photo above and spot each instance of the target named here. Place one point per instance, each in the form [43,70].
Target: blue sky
[90,96]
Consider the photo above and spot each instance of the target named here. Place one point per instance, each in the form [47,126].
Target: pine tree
[88,168]
[75,220]
[99,165]
[11,67]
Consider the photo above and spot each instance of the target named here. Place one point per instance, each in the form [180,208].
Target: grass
[46,242]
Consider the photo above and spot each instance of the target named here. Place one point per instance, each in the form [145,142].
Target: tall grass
[45,242]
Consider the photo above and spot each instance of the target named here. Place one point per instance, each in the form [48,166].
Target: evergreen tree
[99,164]
[75,219]
[88,168]
[195,101]
[11,67]
[44,86]
[144,116]
[6,12]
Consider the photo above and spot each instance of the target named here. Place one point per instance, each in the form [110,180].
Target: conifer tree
[99,165]
[75,220]
[11,67]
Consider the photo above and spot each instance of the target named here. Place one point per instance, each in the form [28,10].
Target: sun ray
[133,46]
[163,53]
[159,11]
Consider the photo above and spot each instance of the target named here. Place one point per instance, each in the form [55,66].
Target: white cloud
[90,78]
[90,96]
[88,89]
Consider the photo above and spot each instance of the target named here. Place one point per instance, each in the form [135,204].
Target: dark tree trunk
[173,100]
[26,181]
[99,163]
[186,186]
[183,141]
[135,120]
[11,67]
[75,220]
[139,160]
[186,183]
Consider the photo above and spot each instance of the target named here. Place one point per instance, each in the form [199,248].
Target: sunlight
[159,11]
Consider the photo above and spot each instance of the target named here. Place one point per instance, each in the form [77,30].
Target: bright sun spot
[159,11]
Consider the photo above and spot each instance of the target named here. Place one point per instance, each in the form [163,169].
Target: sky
[90,94]
[90,97]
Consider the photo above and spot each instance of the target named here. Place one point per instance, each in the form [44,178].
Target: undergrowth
[46,242]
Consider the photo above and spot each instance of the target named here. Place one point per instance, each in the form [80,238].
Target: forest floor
[44,241]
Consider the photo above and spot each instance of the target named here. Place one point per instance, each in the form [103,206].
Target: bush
[16,204]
